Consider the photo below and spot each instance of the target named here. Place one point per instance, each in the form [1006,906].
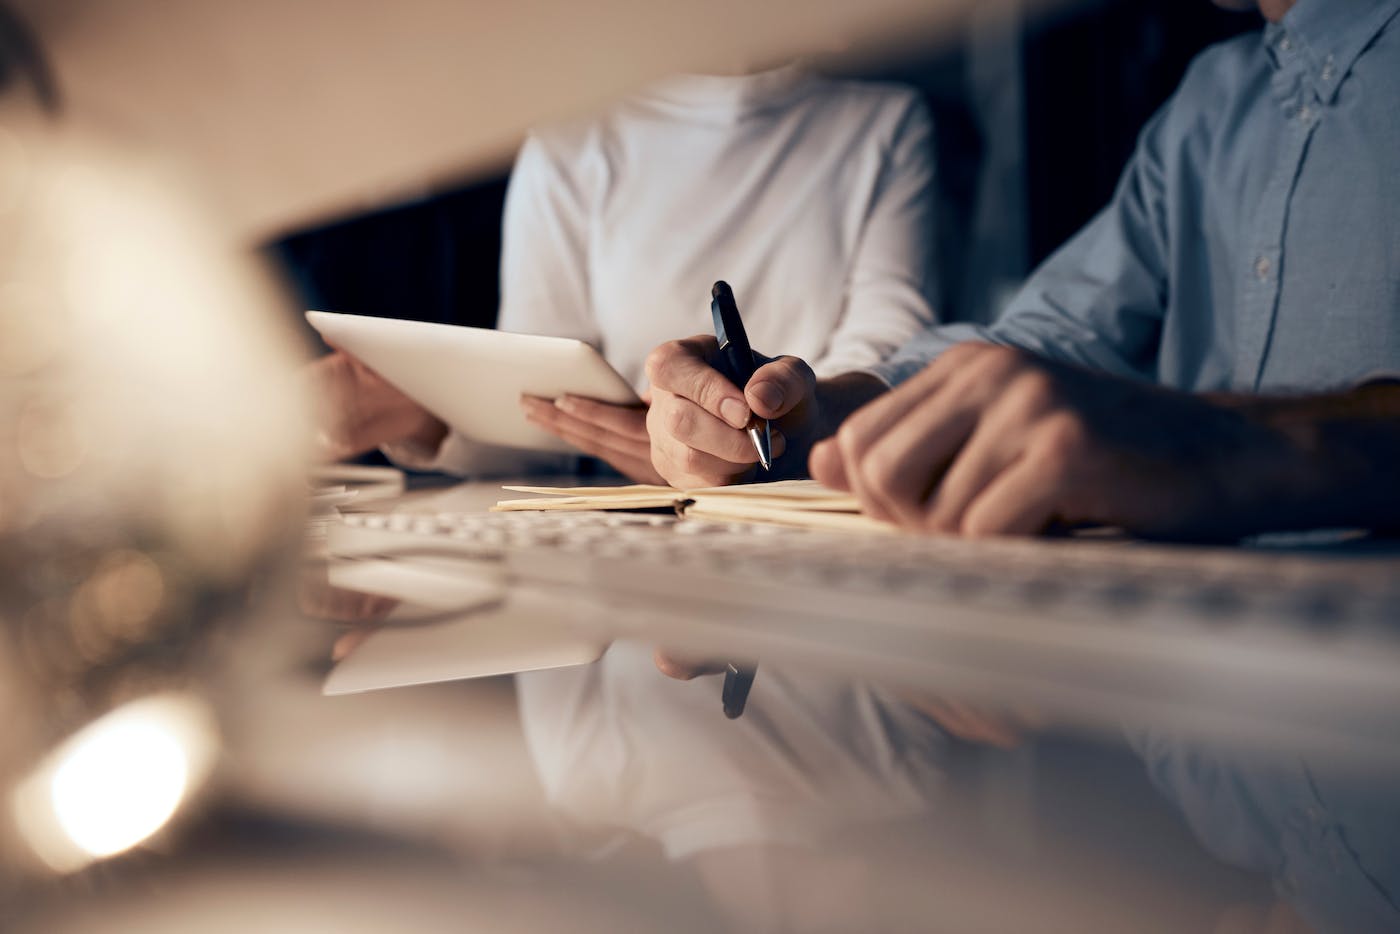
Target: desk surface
[1191,667]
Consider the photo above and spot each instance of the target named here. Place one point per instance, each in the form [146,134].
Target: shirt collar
[1330,35]
[731,97]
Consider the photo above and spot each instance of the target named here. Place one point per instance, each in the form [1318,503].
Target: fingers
[678,418]
[779,387]
[1022,500]
[318,599]
[350,641]
[900,468]
[626,420]
[621,429]
[925,454]
[827,466]
[858,436]
[691,448]
[683,369]
[617,434]
[359,411]
[697,416]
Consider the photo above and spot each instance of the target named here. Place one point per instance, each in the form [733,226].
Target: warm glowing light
[119,786]
[116,782]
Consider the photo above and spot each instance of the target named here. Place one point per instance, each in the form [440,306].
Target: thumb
[780,386]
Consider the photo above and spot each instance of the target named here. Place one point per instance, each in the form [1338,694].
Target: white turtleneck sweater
[814,199]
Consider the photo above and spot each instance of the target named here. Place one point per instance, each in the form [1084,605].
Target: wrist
[839,396]
[1333,461]
[834,399]
[428,435]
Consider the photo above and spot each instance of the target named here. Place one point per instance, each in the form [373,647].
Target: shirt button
[1285,44]
[1262,267]
[1304,114]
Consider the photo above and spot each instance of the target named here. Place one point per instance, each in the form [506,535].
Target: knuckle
[880,468]
[678,421]
[658,360]
[1064,440]
[994,360]
[708,396]
[689,460]
[850,436]
[794,369]
[963,352]
[1032,387]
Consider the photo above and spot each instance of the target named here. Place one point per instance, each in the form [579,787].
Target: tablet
[473,378]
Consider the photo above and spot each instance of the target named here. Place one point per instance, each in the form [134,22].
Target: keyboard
[1284,643]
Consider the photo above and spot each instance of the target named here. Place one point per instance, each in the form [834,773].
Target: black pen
[736,361]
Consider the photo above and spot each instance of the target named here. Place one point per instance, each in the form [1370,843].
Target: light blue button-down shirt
[1253,244]
[1254,239]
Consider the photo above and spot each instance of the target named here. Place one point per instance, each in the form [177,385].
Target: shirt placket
[1263,275]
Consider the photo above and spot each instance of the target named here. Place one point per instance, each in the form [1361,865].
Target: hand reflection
[1003,727]
[319,599]
[682,668]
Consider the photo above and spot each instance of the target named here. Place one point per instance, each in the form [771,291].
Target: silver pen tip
[763,443]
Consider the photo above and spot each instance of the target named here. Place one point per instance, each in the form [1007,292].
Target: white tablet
[472,378]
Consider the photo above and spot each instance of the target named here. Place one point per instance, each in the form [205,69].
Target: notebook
[804,503]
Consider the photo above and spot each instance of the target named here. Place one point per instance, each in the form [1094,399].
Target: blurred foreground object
[297,111]
[152,439]
[116,782]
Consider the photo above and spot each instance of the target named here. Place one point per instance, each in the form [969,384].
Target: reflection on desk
[1268,645]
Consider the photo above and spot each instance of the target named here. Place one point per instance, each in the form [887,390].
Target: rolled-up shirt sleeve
[1098,301]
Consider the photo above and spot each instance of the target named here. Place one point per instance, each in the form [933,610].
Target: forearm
[1345,457]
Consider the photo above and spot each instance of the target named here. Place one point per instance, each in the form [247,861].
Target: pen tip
[762,444]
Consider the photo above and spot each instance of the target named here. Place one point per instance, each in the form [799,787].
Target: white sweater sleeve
[544,245]
[544,290]
[893,283]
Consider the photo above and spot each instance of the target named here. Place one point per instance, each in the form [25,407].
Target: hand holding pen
[702,423]
[708,428]
[736,360]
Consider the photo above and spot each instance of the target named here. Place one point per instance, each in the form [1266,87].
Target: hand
[697,416]
[989,440]
[358,411]
[683,668]
[362,611]
[615,433]
[1003,728]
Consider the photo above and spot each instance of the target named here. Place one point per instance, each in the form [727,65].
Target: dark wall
[1088,79]
[1093,77]
[434,259]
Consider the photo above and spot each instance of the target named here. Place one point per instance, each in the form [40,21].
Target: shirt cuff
[923,348]
[1379,376]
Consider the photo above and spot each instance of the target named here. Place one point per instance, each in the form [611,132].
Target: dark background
[1053,107]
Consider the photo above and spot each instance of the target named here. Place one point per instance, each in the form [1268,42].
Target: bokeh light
[116,782]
